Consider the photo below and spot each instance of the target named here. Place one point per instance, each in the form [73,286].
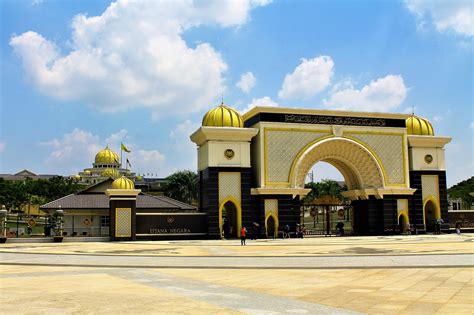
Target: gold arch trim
[332,137]
[238,207]
[305,148]
[437,207]
[277,224]
[405,214]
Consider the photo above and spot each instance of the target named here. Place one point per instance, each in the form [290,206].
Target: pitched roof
[101,201]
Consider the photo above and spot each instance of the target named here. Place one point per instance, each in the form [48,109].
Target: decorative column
[122,209]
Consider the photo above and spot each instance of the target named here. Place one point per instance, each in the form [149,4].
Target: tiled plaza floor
[391,275]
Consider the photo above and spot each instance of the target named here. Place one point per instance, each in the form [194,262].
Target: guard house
[252,168]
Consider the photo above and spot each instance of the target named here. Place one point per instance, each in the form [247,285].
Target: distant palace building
[106,165]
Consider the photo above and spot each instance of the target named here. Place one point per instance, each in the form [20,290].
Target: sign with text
[149,224]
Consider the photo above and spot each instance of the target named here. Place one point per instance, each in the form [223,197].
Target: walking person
[243,235]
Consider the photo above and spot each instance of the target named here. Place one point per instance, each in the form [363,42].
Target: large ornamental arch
[390,163]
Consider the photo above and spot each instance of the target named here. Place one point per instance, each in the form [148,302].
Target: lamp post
[3,224]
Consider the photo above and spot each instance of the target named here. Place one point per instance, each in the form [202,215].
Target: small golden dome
[223,116]
[110,172]
[76,177]
[87,172]
[419,126]
[106,156]
[139,178]
[123,183]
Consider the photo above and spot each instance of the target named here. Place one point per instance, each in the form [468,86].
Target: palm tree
[182,186]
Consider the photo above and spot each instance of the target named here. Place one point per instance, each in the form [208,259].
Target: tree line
[182,186]
[15,194]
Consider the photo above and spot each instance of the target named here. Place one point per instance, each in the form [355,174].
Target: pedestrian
[286,231]
[243,235]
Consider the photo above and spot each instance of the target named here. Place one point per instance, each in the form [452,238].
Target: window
[104,221]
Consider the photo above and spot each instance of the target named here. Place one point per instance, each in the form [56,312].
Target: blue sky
[79,75]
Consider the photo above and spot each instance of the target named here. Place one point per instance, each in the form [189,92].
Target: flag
[124,148]
[129,164]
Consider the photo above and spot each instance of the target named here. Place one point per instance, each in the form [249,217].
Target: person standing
[243,235]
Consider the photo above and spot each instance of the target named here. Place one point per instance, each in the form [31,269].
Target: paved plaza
[425,274]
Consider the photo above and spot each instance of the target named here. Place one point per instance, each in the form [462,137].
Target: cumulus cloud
[76,150]
[144,161]
[134,55]
[309,78]
[447,16]
[72,151]
[180,136]
[383,94]
[115,139]
[263,101]
[247,82]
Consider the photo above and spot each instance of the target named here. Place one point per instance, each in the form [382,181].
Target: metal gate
[324,219]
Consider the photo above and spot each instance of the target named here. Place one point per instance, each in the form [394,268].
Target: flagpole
[121,155]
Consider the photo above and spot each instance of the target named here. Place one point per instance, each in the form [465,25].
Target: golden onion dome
[419,126]
[87,172]
[110,172]
[223,116]
[107,156]
[123,183]
[76,177]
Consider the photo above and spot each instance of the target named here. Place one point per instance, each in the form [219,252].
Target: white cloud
[3,145]
[447,16]
[115,139]
[383,94]
[263,101]
[73,152]
[247,82]
[133,55]
[309,78]
[180,136]
[76,150]
[152,161]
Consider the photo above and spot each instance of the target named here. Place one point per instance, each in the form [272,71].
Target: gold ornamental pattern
[271,206]
[389,149]
[429,186]
[229,186]
[359,168]
[282,148]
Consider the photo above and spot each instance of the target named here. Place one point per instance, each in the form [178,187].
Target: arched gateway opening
[361,172]
[402,224]
[229,219]
[432,214]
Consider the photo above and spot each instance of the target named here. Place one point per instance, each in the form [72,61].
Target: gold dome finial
[110,172]
[107,156]
[419,126]
[123,183]
[223,116]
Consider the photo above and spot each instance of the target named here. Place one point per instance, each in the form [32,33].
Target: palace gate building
[252,168]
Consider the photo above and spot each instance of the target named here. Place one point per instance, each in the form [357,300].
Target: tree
[324,188]
[182,186]
[15,194]
[462,190]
